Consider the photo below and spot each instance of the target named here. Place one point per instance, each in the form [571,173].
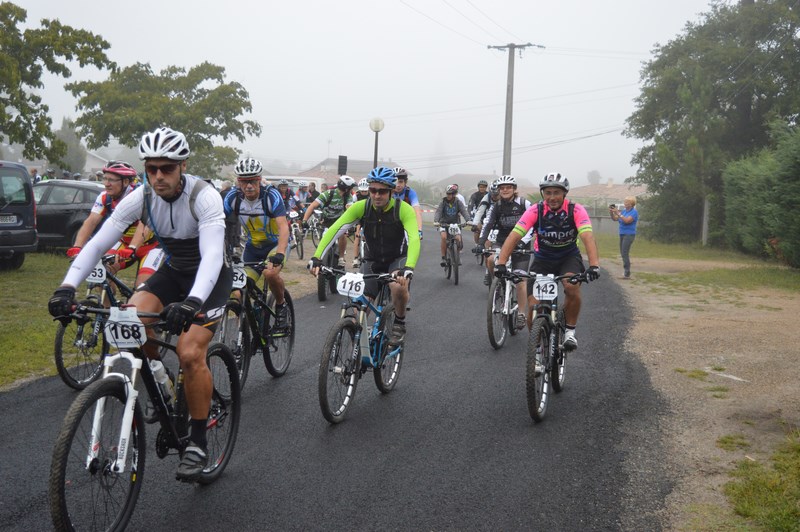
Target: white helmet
[346,181]
[164,143]
[506,180]
[302,184]
[554,179]
[248,167]
[363,185]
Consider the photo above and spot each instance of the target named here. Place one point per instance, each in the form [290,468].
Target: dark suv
[17,215]
[61,207]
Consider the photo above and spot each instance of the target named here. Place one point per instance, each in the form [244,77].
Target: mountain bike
[357,343]
[546,360]
[296,234]
[452,257]
[248,326]
[502,307]
[315,228]
[79,346]
[99,456]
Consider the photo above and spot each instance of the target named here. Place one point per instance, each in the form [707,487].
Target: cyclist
[459,196]
[186,215]
[136,241]
[287,195]
[448,212]
[502,217]
[557,223]
[475,202]
[262,213]
[390,231]
[405,193]
[302,196]
[333,203]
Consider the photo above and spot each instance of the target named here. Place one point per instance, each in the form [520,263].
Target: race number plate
[454,229]
[239,277]
[545,288]
[351,285]
[98,275]
[124,329]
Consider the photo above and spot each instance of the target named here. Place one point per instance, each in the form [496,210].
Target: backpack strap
[198,187]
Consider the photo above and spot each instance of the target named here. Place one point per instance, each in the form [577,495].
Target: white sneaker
[570,342]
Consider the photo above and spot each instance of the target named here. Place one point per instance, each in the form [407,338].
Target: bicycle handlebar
[575,278]
[327,270]
[80,311]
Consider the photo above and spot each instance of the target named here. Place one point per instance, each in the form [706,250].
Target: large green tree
[24,56]
[707,99]
[197,102]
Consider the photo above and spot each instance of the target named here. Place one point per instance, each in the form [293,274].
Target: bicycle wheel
[338,371]
[514,315]
[454,261]
[234,332]
[558,370]
[388,371]
[280,342]
[223,417]
[496,321]
[298,240]
[79,350]
[84,491]
[316,234]
[537,376]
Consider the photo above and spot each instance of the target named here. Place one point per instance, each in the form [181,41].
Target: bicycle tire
[298,240]
[496,321]
[81,363]
[387,371]
[315,235]
[512,318]
[85,496]
[537,380]
[225,411]
[558,370]
[234,332]
[454,261]
[280,344]
[338,372]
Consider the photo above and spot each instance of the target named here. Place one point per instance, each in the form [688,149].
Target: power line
[439,23]
[493,22]
[448,4]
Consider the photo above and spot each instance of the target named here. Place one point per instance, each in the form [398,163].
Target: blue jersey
[257,216]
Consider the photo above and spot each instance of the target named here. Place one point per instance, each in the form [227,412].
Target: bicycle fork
[127,418]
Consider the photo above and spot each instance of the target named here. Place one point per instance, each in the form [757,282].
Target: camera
[612,206]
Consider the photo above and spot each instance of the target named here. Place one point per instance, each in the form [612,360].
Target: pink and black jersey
[556,232]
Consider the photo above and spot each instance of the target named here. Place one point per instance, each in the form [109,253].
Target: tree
[197,102]
[24,56]
[707,99]
[75,158]
[594,177]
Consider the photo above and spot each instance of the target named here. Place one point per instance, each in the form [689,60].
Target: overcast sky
[318,71]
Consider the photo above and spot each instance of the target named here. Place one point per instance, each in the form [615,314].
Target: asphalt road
[452,447]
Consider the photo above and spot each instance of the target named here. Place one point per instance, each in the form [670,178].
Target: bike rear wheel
[496,321]
[537,374]
[223,417]
[388,371]
[338,371]
[234,332]
[78,351]
[280,343]
[84,491]
[559,370]
[298,240]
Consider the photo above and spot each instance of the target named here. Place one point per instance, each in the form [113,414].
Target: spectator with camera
[627,218]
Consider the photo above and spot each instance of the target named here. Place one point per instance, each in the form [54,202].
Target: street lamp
[376,125]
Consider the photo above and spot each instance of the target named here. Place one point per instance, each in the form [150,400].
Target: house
[356,168]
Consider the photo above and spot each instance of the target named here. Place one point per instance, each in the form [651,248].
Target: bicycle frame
[375,339]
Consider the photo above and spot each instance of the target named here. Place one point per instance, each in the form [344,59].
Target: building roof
[609,191]
[356,168]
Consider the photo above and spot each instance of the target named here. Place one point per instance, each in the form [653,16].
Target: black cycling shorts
[371,266]
[170,286]
[571,264]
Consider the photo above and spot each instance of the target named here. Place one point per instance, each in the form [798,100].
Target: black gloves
[593,273]
[179,316]
[61,303]
[314,263]
[407,273]
[276,259]
[500,270]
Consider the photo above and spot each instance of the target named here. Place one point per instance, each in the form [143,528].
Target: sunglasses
[153,169]
[379,191]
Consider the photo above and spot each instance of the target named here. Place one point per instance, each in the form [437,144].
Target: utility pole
[510,100]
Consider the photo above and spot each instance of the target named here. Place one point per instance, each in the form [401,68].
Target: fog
[318,71]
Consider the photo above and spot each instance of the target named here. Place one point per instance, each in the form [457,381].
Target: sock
[401,321]
[198,432]
[570,327]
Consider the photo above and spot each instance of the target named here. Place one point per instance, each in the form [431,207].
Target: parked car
[61,208]
[17,215]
